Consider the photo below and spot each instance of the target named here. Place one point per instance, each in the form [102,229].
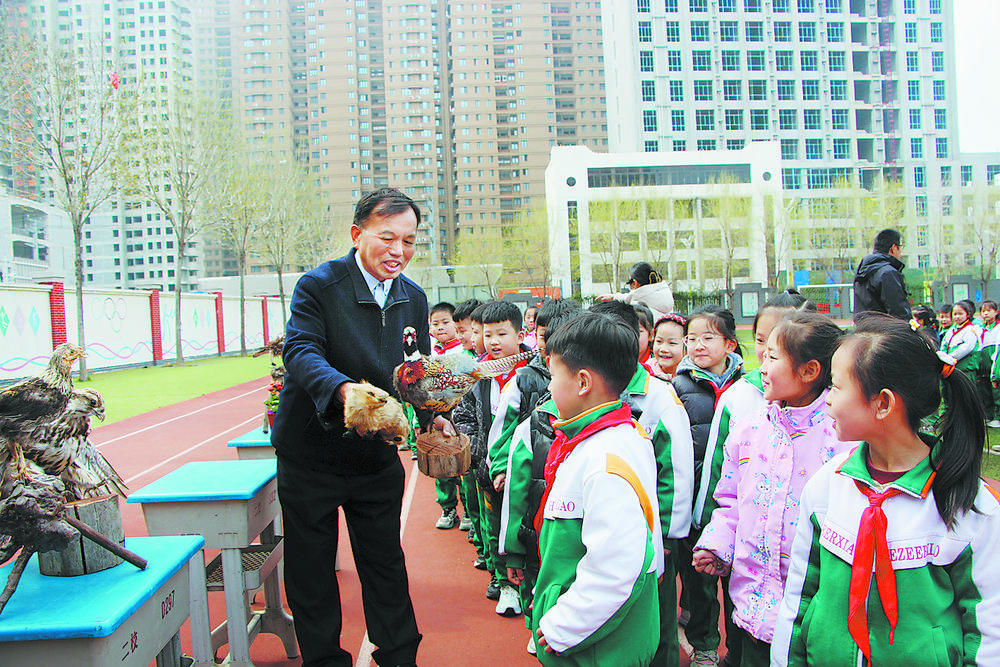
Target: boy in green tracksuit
[599,543]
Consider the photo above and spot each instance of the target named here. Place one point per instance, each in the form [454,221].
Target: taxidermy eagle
[369,409]
[435,385]
[33,400]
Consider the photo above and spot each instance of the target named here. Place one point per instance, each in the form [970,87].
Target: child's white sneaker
[509,604]
[531,645]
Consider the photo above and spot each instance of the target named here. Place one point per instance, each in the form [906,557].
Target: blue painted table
[254,444]
[230,504]
[120,616]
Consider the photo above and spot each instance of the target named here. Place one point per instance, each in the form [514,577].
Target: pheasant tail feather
[494,367]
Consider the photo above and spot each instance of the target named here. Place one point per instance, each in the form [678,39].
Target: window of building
[784,61]
[912,61]
[699,31]
[649,120]
[910,33]
[698,5]
[909,6]
[789,149]
[706,144]
[702,91]
[935,6]
[786,90]
[679,145]
[732,90]
[834,32]
[807,6]
[782,31]
[677,120]
[913,90]
[919,177]
[939,90]
[727,6]
[966,175]
[920,204]
[937,33]
[755,31]
[735,144]
[838,90]
[937,61]
[701,61]
[704,120]
[673,31]
[807,31]
[755,61]
[940,119]
[648,91]
[651,146]
[734,119]
[840,119]
[834,6]
[643,6]
[810,89]
[645,31]
[757,90]
[730,31]
[814,149]
[811,119]
[758,119]
[730,61]
[915,123]
[841,149]
[946,210]
[941,147]
[645,61]
[917,148]
[808,61]
[791,179]
[670,6]
[837,60]
[751,6]
[946,175]
[674,61]
[676,91]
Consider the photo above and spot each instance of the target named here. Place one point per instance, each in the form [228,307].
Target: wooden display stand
[83,556]
[442,456]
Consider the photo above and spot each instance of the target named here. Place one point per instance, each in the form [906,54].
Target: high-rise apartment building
[455,103]
[855,91]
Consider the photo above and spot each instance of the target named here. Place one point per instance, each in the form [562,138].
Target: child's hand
[707,562]
[542,644]
[515,575]
[498,481]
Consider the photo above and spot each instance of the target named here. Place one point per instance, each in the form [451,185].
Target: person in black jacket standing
[878,283]
[346,325]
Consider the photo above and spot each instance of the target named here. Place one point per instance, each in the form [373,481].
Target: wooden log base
[84,556]
[442,456]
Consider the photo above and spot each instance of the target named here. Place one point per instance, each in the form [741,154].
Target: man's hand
[499,480]
[446,427]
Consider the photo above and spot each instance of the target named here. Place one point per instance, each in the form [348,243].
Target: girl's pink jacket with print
[769,457]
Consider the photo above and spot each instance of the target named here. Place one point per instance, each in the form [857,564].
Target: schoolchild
[502,337]
[944,320]
[530,337]
[907,505]
[645,334]
[961,341]
[925,318]
[713,363]
[599,545]
[743,399]
[769,457]
[668,345]
[988,339]
[442,325]
[463,324]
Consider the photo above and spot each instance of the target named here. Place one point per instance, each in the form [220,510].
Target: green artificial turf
[133,391]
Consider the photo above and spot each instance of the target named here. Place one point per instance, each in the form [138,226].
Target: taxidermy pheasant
[33,400]
[369,409]
[435,385]
[61,447]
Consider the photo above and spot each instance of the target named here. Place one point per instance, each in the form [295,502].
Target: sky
[977,60]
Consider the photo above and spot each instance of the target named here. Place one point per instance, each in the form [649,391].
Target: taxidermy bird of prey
[435,385]
[33,400]
[60,447]
[369,409]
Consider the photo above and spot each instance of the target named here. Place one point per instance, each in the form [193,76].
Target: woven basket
[441,456]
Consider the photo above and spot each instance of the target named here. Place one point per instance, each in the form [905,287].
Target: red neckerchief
[644,357]
[502,380]
[562,446]
[441,348]
[871,545]
[720,390]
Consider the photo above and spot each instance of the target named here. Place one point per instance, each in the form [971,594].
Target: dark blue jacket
[336,333]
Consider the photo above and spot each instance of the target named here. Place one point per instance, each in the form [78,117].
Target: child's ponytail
[890,355]
[957,455]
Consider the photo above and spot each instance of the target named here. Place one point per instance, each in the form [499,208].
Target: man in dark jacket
[878,283]
[346,325]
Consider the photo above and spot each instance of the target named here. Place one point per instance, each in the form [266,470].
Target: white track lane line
[241,425]
[365,652]
[184,416]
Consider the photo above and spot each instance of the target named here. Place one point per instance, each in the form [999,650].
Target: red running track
[459,625]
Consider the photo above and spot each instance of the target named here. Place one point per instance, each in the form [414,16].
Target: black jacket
[336,333]
[879,285]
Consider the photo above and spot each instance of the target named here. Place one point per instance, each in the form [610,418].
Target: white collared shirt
[378,288]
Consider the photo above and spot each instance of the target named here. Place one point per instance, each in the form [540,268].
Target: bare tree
[614,226]
[731,212]
[527,251]
[483,254]
[983,218]
[64,116]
